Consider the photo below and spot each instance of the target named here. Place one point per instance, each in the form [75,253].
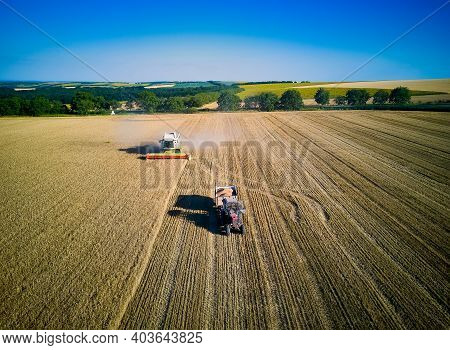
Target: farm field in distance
[441,85]
[347,222]
[431,89]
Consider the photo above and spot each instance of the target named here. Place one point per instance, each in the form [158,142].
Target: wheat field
[347,222]
[440,85]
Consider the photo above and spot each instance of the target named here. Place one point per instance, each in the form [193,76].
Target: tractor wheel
[242,229]
[228,229]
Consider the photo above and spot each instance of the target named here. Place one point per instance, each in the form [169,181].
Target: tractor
[229,209]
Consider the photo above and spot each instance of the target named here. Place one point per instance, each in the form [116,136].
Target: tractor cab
[171,141]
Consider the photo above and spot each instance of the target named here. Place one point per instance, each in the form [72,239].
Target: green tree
[83,103]
[400,95]
[24,106]
[380,97]
[148,101]
[291,100]
[84,107]
[322,96]
[10,106]
[228,101]
[251,102]
[192,102]
[267,101]
[101,104]
[173,104]
[357,96]
[57,107]
[201,99]
[340,100]
[39,105]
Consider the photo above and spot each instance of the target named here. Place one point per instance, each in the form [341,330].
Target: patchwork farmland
[426,90]
[346,226]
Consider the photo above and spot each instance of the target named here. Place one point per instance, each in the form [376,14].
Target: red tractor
[229,209]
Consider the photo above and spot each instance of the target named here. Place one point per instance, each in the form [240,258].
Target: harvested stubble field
[347,222]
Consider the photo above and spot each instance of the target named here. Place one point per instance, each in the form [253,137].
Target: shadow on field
[142,150]
[197,209]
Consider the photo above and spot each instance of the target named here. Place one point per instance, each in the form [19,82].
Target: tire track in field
[317,251]
[415,274]
[422,188]
[435,168]
[424,129]
[239,282]
[406,196]
[397,134]
[369,182]
[138,280]
[435,118]
[293,287]
[418,160]
[188,306]
[345,163]
[318,243]
[152,305]
[418,228]
[117,320]
[273,319]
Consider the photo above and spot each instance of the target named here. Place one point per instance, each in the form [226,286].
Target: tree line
[292,99]
[100,100]
[274,82]
[122,93]
[85,102]
[354,97]
[38,105]
[267,101]
[151,103]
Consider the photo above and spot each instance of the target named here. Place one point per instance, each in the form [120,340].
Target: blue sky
[231,40]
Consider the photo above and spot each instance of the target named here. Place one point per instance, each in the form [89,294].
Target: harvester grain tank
[170,148]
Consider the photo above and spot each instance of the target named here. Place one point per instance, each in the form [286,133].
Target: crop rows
[346,224]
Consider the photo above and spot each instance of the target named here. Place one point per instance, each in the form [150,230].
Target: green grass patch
[429,107]
[277,88]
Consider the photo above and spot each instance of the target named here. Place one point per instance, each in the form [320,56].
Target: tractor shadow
[142,150]
[197,209]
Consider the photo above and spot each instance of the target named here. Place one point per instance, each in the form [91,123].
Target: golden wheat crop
[347,222]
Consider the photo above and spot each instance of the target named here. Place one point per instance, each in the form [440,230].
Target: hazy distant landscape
[59,98]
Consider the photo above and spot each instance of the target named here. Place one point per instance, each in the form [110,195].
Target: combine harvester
[170,148]
[229,209]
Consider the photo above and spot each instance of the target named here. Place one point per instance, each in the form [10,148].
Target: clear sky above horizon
[233,40]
